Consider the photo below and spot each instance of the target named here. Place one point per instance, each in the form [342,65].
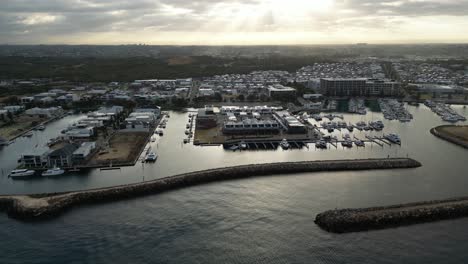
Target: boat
[242,145]
[234,147]
[21,173]
[187,126]
[153,139]
[53,172]
[29,134]
[186,140]
[151,157]
[394,138]
[359,143]
[321,144]
[41,128]
[347,143]
[187,132]
[284,144]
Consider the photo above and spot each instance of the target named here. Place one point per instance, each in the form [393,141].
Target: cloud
[49,21]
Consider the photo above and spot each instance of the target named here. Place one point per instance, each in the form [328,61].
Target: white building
[44,112]
[83,152]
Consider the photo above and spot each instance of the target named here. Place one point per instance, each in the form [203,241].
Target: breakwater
[39,206]
[364,219]
[438,132]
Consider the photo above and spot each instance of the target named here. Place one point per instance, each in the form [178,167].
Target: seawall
[364,219]
[39,206]
[440,134]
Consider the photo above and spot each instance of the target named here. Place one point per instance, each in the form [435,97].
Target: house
[80,132]
[34,159]
[280,91]
[44,112]
[13,108]
[206,117]
[205,92]
[62,156]
[84,151]
[289,122]
[27,99]
[140,121]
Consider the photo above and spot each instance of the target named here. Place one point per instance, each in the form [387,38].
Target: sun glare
[300,6]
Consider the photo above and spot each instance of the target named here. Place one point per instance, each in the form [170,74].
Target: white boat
[29,134]
[284,144]
[394,138]
[347,143]
[359,143]
[242,145]
[234,147]
[41,127]
[187,132]
[53,172]
[153,139]
[151,157]
[321,144]
[21,173]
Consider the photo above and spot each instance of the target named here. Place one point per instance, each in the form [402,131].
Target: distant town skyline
[239,22]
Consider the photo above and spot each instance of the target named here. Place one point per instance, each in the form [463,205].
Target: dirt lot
[22,123]
[124,147]
[181,60]
[460,132]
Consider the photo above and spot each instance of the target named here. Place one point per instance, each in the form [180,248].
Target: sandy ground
[22,123]
[123,147]
[460,132]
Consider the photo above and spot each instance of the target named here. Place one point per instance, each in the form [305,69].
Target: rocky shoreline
[373,218]
[436,132]
[40,206]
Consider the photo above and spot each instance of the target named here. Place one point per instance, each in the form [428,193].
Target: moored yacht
[284,144]
[53,172]
[394,138]
[321,144]
[21,173]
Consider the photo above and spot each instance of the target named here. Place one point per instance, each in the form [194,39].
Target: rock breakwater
[40,206]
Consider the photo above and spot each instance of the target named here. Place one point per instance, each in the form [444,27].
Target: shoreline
[443,135]
[392,216]
[47,205]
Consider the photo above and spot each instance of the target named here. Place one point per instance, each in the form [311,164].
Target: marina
[445,112]
[367,144]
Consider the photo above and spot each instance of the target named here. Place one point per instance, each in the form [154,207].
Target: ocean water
[259,220]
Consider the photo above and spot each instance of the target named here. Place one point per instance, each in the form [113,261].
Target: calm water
[261,220]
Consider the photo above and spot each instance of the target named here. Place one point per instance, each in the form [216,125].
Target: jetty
[40,206]
[455,134]
[364,219]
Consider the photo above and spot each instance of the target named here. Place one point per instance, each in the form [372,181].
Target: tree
[241,97]
[179,102]
[2,117]
[218,97]
[251,97]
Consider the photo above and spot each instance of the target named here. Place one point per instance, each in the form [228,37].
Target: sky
[236,22]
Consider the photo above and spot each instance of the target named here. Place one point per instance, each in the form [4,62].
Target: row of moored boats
[24,173]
